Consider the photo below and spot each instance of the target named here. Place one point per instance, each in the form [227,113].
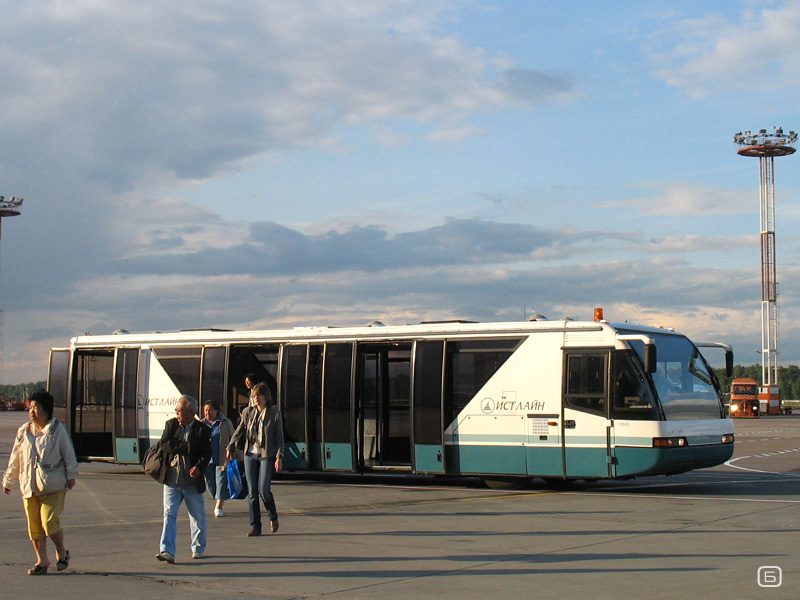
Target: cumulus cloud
[272,248]
[687,198]
[105,106]
[715,53]
[189,90]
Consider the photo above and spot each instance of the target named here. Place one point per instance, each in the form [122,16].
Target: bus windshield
[683,380]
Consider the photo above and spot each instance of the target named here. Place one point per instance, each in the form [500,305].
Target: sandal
[63,562]
[37,570]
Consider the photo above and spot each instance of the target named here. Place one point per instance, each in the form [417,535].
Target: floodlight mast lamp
[766,146]
[8,208]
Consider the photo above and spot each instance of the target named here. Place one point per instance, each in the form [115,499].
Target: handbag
[153,461]
[51,478]
[235,482]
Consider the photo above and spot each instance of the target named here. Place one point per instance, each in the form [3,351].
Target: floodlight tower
[766,146]
[8,208]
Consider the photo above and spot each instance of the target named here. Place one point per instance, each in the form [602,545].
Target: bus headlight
[727,438]
[670,442]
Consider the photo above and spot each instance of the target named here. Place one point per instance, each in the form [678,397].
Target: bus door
[212,378]
[428,408]
[258,361]
[383,400]
[586,428]
[90,410]
[126,430]
[338,421]
[301,406]
[58,383]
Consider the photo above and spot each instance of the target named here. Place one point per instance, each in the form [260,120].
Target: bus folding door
[338,420]
[301,379]
[428,408]
[126,430]
[91,412]
[585,423]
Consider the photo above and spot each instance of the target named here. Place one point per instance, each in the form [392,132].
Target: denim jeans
[259,476]
[217,482]
[173,496]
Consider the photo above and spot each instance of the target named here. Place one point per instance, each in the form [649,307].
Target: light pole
[766,146]
[8,208]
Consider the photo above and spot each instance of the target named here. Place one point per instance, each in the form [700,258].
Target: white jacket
[53,446]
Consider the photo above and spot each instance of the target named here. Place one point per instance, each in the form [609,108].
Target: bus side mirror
[650,358]
[729,363]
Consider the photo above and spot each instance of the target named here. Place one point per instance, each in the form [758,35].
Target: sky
[247,164]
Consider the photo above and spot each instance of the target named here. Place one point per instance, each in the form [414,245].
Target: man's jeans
[173,496]
[259,476]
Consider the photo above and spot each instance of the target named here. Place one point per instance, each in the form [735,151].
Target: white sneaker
[218,512]
[197,555]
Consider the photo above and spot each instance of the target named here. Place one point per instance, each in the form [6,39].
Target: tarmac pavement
[705,533]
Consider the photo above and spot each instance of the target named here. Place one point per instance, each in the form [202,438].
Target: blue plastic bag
[234,479]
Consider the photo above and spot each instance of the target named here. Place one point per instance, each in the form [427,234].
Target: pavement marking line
[730,462]
[668,497]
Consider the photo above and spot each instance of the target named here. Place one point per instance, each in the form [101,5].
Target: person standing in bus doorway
[249,382]
[44,441]
[260,436]
[221,433]
[186,443]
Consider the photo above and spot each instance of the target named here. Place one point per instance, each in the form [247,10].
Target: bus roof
[372,331]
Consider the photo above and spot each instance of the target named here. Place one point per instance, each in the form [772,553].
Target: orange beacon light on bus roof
[598,314]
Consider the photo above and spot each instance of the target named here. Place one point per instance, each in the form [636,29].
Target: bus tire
[505,483]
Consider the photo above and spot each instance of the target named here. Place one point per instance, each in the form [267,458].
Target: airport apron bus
[559,400]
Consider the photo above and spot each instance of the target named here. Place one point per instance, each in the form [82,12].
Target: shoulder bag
[153,461]
[49,478]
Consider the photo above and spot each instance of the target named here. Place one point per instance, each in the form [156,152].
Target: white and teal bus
[560,400]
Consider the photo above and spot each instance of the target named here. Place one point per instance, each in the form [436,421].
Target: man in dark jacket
[186,445]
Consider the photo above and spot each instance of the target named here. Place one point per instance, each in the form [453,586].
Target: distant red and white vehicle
[19,405]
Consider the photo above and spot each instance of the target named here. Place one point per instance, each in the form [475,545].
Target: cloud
[104,107]
[688,198]
[276,276]
[272,248]
[187,91]
[714,53]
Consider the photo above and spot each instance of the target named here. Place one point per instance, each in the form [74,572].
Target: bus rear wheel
[506,483]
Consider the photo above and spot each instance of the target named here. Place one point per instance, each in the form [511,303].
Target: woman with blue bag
[221,433]
[260,436]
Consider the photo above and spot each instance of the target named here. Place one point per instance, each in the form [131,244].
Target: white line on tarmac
[776,453]
[667,497]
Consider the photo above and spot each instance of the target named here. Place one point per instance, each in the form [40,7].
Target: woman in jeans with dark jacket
[260,436]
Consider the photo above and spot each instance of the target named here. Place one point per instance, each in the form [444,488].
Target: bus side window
[586,382]
[631,396]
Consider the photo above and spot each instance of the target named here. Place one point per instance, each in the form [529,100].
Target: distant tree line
[788,379]
[18,391]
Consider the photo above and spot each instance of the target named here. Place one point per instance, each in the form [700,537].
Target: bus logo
[487,406]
